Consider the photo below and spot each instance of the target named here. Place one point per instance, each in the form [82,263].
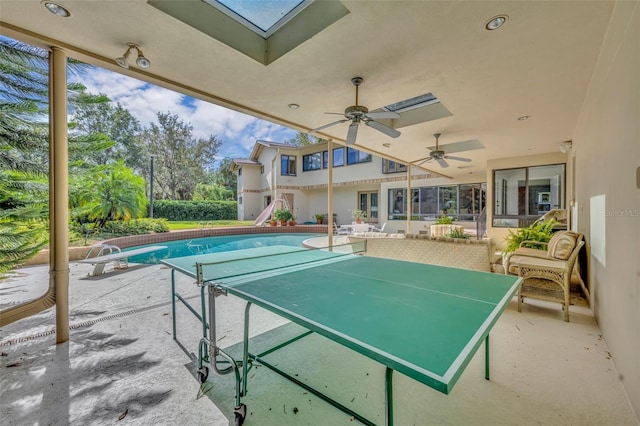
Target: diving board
[101,261]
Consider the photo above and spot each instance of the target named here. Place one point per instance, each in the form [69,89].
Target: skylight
[412,103]
[264,30]
[261,16]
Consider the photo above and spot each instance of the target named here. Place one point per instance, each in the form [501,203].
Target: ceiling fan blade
[451,157]
[382,114]
[442,163]
[352,133]
[422,161]
[382,128]
[327,125]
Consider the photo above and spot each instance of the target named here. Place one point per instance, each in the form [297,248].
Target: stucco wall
[606,145]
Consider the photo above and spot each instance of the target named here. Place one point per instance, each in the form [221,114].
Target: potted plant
[319,218]
[443,226]
[540,232]
[358,215]
[283,216]
[273,222]
[443,220]
[292,221]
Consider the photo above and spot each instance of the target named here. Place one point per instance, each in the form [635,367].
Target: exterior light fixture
[386,145]
[141,60]
[294,106]
[56,9]
[524,118]
[495,22]
[565,146]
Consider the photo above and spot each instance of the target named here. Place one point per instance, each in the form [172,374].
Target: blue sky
[237,132]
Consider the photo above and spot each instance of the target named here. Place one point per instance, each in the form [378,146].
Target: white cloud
[238,132]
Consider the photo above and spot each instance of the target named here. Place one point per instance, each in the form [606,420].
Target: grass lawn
[199,224]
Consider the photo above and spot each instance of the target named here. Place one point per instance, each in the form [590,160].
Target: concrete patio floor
[122,365]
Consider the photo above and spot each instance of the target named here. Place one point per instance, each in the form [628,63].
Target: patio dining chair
[338,230]
[376,229]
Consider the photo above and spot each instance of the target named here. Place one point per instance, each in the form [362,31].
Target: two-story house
[360,181]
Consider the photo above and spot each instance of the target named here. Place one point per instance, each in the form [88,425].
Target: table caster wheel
[203,373]
[240,414]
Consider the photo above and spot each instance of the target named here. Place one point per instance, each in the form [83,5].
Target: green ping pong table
[421,320]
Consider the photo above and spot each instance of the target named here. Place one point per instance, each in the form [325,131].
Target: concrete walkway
[122,365]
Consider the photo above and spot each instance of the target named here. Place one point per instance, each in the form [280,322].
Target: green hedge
[135,226]
[195,210]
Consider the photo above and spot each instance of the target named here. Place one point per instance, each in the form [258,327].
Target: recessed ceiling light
[495,22]
[56,9]
[524,117]
[294,106]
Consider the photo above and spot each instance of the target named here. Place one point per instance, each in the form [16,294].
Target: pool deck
[122,366]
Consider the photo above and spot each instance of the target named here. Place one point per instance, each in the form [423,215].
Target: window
[354,156]
[262,169]
[524,194]
[288,165]
[262,17]
[338,158]
[390,166]
[240,199]
[312,161]
[471,198]
[460,202]
[448,199]
[429,201]
[239,171]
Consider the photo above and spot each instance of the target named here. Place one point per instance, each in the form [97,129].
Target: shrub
[444,220]
[195,210]
[458,233]
[283,215]
[136,226]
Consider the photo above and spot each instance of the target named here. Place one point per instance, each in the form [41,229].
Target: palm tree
[23,142]
[112,192]
[24,146]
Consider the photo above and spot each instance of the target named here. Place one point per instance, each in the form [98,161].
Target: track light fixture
[141,60]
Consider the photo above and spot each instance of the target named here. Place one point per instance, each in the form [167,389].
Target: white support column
[330,193]
[408,231]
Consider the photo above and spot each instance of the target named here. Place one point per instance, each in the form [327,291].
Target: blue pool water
[182,248]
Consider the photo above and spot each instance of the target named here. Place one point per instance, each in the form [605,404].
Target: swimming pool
[205,245]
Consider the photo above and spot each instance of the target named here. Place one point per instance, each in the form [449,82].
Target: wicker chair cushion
[561,245]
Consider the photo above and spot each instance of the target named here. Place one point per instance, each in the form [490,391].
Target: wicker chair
[546,273]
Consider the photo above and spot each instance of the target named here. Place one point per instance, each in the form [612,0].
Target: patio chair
[546,273]
[337,230]
[376,229]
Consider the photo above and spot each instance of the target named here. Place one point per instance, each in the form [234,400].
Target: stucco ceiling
[538,64]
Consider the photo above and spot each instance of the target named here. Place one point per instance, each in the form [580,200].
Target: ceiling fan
[439,156]
[360,114]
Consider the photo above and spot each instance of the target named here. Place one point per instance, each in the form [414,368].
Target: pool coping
[77,253]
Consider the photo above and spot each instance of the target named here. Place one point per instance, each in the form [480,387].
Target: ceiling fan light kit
[360,114]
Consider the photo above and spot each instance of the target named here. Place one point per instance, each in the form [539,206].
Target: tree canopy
[181,160]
